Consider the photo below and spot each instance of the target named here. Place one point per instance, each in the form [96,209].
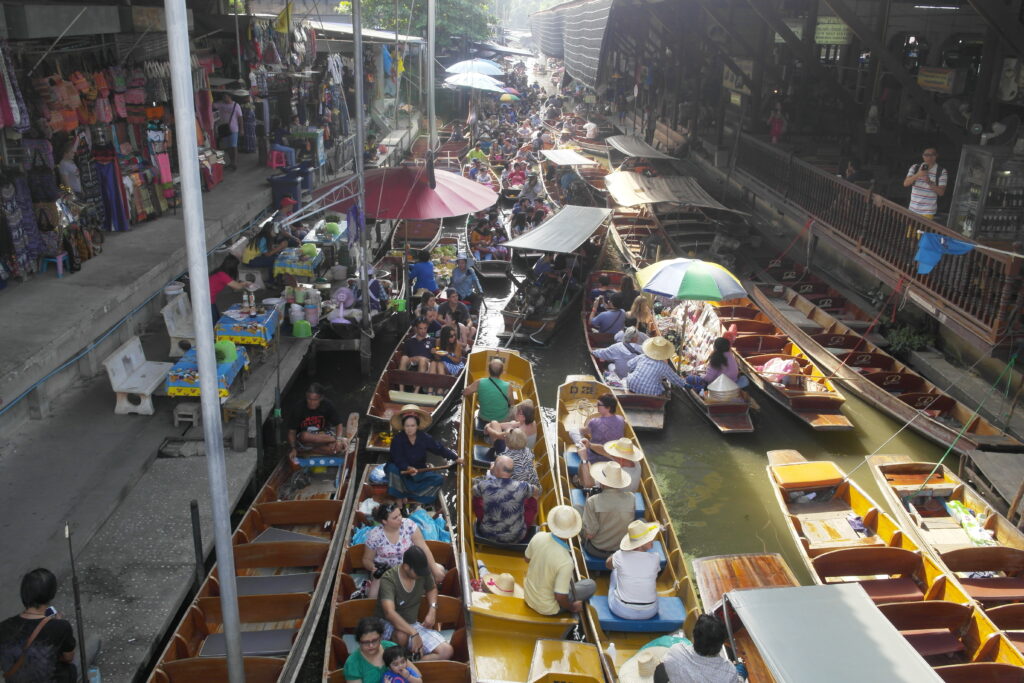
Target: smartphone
[924,167]
[51,611]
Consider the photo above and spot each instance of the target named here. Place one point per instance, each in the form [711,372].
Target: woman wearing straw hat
[633,590]
[548,587]
[647,373]
[409,475]
[606,515]
[599,429]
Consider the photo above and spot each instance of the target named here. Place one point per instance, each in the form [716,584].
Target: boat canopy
[632,189]
[567,157]
[632,146]
[503,49]
[564,232]
[809,633]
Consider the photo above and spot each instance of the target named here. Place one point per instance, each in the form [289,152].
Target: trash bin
[286,185]
[304,169]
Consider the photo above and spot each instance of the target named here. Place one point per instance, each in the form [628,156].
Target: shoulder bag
[24,648]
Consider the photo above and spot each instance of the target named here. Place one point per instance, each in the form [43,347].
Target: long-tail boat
[286,549]
[644,411]
[345,611]
[860,366]
[410,234]
[508,640]
[678,607]
[493,267]
[639,237]
[805,390]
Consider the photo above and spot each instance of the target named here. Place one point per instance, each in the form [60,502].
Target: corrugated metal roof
[632,189]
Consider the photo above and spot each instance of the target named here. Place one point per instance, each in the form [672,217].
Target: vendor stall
[239,327]
[183,379]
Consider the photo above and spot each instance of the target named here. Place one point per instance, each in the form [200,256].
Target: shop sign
[152,19]
[941,80]
[832,31]
[794,25]
[735,99]
[731,81]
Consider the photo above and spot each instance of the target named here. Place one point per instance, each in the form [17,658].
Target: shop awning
[632,146]
[632,189]
[574,31]
[345,28]
[810,633]
[564,232]
[503,49]
[567,157]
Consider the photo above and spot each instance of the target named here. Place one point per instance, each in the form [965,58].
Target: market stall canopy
[475,80]
[632,146]
[803,632]
[405,192]
[567,157]
[632,189]
[503,49]
[564,232]
[345,28]
[476,66]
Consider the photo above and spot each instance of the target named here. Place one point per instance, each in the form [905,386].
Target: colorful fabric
[386,552]
[291,262]
[932,246]
[504,500]
[923,199]
[646,374]
[183,380]
[257,330]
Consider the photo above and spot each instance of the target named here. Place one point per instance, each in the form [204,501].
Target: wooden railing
[978,293]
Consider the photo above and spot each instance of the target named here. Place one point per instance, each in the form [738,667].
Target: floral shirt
[387,552]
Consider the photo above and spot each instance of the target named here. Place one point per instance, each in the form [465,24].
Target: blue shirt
[609,321]
[504,500]
[416,347]
[619,355]
[465,282]
[646,374]
[422,276]
[404,455]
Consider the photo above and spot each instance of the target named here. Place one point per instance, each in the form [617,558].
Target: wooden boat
[284,546]
[493,181]
[639,237]
[594,177]
[865,369]
[409,234]
[508,641]
[807,393]
[698,324]
[802,281]
[492,268]
[678,605]
[922,497]
[644,411]
[345,612]
[508,191]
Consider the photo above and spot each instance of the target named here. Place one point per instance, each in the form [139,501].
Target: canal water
[716,488]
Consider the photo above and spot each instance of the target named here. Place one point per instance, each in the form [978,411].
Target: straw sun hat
[609,475]
[659,348]
[502,584]
[564,521]
[640,667]
[623,448]
[638,533]
[423,418]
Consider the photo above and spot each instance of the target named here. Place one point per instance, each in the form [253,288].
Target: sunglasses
[370,643]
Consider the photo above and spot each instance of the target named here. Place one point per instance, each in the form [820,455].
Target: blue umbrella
[476,66]
[474,80]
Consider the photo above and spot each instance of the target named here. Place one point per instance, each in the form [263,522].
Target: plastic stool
[188,412]
[61,260]
[277,159]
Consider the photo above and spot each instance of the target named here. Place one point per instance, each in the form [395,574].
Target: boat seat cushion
[671,615]
[892,590]
[479,453]
[276,584]
[596,564]
[572,461]
[273,535]
[808,475]
[995,589]
[273,643]
[403,397]
[579,500]
[930,642]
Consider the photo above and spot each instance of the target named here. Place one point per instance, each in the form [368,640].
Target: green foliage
[906,338]
[455,18]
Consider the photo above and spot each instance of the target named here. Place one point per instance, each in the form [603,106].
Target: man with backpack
[927,181]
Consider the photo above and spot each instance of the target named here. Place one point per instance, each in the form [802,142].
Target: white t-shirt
[591,129]
[636,575]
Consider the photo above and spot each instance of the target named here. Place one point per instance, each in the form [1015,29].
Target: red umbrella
[404,192]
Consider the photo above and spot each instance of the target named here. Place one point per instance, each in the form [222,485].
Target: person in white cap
[647,373]
[606,515]
[633,589]
[701,662]
[548,586]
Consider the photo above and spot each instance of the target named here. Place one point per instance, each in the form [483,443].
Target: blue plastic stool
[61,260]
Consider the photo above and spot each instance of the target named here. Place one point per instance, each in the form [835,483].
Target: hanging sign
[941,80]
[832,31]
[794,25]
[732,81]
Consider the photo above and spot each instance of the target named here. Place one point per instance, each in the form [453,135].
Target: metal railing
[982,289]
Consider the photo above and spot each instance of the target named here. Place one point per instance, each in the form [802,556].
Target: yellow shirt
[476,154]
[549,572]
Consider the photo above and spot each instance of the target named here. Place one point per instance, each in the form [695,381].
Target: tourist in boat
[520,223]
[418,350]
[480,240]
[476,153]
[540,214]
[429,300]
[522,205]
[475,169]
[607,514]
[453,305]
[493,395]
[466,333]
[534,188]
[503,500]
[366,664]
[627,290]
[38,644]
[701,662]
[607,316]
[316,427]
[604,287]
[590,129]
[448,358]
[402,591]
[648,372]
[387,542]
[465,281]
[722,361]
[518,174]
[620,353]
[409,474]
[519,449]
[602,428]
[421,273]
[399,666]
[548,587]
[641,330]
[429,315]
[643,311]
[628,455]
[633,586]
[524,420]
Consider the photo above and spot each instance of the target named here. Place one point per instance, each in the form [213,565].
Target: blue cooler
[286,185]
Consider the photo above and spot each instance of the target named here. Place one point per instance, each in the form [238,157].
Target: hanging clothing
[247,143]
[112,190]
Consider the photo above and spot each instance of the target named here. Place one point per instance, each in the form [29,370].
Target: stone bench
[133,378]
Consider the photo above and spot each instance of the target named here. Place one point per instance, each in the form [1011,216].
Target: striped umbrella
[690,280]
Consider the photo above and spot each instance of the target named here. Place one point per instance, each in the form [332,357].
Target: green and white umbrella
[690,280]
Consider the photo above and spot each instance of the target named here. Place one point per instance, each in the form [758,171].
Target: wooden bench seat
[979,672]
[1000,559]
[930,626]
[996,589]
[860,565]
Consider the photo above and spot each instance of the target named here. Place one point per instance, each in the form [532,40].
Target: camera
[380,569]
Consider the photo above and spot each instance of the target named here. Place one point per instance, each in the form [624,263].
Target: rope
[806,228]
[863,337]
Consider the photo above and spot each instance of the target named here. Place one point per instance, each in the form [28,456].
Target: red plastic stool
[277,159]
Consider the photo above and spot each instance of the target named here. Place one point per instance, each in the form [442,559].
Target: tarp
[574,31]
[632,189]
[632,146]
[834,633]
[504,49]
[564,232]
[567,157]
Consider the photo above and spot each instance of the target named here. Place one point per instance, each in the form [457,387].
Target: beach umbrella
[508,98]
[476,66]
[404,192]
[474,80]
[690,280]
[512,91]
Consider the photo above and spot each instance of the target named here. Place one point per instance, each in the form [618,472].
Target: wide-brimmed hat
[640,667]
[623,448]
[564,521]
[638,533]
[502,584]
[422,417]
[609,475]
[659,348]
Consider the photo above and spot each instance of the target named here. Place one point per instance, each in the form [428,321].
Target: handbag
[41,181]
[24,648]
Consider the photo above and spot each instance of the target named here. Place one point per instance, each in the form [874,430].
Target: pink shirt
[218,281]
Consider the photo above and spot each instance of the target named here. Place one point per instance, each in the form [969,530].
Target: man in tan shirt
[607,515]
